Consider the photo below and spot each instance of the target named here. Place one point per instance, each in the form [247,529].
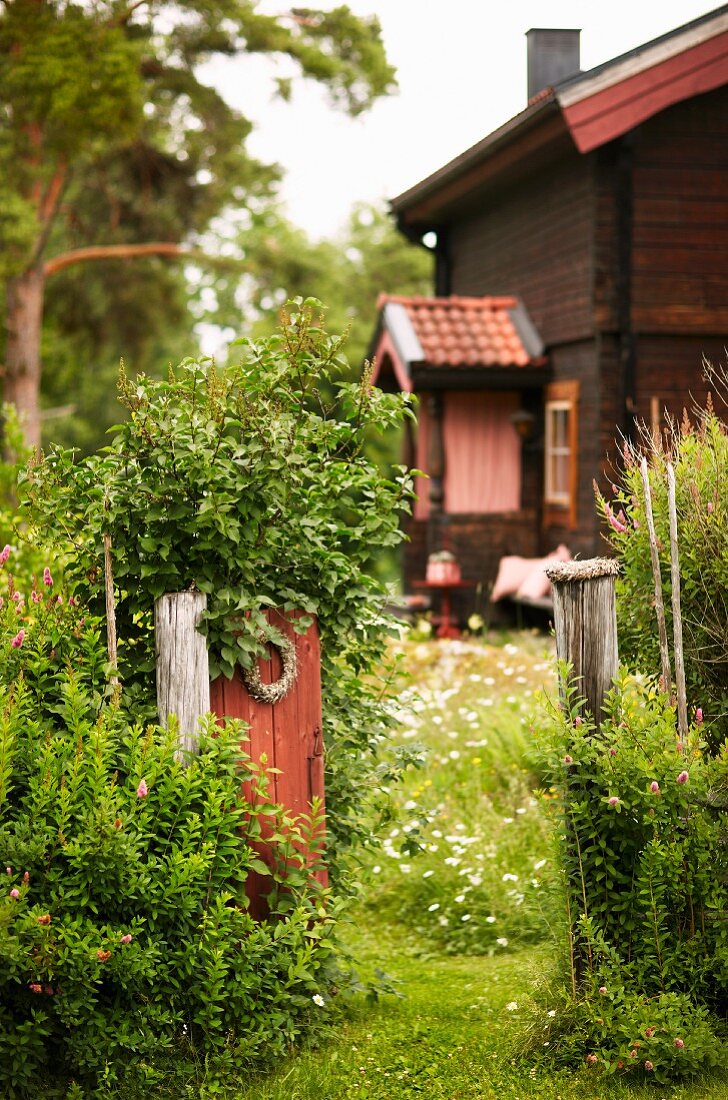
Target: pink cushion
[537,585]
[512,572]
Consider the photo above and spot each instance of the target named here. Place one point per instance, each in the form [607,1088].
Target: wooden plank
[183,676]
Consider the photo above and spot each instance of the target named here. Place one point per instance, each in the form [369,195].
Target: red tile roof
[467,332]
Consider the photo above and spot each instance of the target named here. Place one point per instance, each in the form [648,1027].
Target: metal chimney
[552,56]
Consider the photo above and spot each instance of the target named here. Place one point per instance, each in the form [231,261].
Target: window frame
[561,507]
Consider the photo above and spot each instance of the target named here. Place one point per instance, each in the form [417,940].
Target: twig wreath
[273,693]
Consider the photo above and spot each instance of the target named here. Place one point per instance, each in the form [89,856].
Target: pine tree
[112,148]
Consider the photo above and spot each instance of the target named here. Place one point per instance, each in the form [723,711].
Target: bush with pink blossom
[698,450]
[645,869]
[127,954]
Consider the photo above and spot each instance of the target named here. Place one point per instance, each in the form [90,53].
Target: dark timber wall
[621,259]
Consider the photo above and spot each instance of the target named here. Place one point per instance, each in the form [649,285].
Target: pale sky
[461,68]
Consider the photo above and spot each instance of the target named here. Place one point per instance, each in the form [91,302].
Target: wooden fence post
[585,619]
[183,673]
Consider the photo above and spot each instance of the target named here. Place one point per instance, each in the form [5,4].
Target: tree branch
[48,207]
[123,18]
[53,192]
[114,252]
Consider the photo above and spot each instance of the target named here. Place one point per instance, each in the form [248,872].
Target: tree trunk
[22,351]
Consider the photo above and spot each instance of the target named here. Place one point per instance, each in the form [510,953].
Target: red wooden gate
[288,734]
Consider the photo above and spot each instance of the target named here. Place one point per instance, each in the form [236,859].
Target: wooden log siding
[530,239]
[183,676]
[286,736]
[585,620]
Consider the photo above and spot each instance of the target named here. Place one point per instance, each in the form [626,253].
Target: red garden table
[447,627]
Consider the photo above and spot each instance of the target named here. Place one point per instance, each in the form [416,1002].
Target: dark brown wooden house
[581,277]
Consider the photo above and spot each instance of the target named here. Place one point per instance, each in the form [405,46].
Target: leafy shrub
[699,453]
[645,872]
[244,483]
[124,934]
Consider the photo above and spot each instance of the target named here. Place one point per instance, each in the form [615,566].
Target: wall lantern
[525,424]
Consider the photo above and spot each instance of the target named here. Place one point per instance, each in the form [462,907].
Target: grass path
[449,1037]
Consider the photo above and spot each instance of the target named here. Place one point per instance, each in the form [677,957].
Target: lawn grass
[449,1037]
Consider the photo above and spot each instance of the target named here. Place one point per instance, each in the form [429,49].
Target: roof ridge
[486,301]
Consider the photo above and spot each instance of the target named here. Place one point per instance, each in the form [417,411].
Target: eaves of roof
[528,135]
[580,113]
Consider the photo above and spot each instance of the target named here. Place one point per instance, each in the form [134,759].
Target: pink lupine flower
[126,938]
[4,554]
[568,759]
[18,597]
[615,523]
[683,777]
[698,716]
[47,578]
[14,893]
[648,1065]
[679,1043]
[142,790]
[18,639]
[614,801]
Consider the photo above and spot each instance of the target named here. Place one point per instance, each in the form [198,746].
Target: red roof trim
[385,347]
[613,111]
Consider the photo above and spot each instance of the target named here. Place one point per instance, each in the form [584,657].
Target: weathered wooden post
[183,672]
[585,620]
